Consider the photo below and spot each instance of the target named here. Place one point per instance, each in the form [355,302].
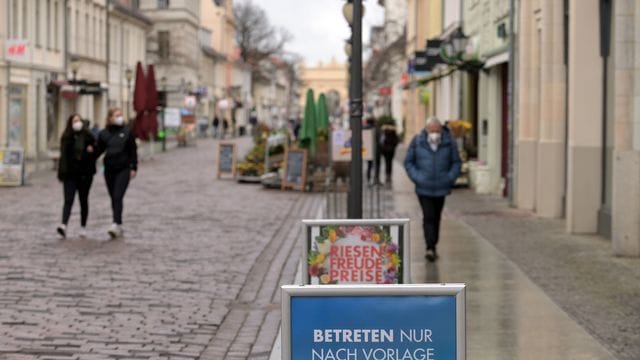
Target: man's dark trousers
[431,215]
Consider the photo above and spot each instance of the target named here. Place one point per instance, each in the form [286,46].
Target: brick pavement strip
[196,277]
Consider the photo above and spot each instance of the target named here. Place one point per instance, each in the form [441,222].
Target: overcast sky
[318,27]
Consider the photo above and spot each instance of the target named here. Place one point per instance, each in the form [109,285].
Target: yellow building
[424,21]
[325,78]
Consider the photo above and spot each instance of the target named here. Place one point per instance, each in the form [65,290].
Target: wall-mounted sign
[226,159]
[420,64]
[172,118]
[363,322]
[17,50]
[295,169]
[341,145]
[11,167]
[356,252]
[190,102]
[433,54]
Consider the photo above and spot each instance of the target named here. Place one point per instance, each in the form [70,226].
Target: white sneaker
[115,231]
[83,232]
[62,230]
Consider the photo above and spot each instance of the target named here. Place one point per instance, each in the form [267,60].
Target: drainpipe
[605,49]
[511,99]
[8,12]
[565,17]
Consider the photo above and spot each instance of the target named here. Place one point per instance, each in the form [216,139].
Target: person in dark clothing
[215,123]
[225,127]
[388,142]
[373,165]
[76,169]
[433,164]
[118,144]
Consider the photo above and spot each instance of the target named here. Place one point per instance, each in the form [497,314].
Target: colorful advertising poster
[11,167]
[356,252]
[369,322]
[341,145]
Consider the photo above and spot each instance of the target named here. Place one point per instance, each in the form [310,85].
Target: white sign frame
[453,289]
[406,245]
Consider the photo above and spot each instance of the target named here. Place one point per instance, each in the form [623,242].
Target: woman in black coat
[118,144]
[76,169]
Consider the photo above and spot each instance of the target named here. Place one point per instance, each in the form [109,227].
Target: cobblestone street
[196,276]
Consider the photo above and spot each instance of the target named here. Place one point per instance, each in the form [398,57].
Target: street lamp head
[459,42]
[347,12]
[347,48]
[74,66]
[128,74]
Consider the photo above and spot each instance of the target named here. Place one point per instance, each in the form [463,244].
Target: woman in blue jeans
[118,144]
[433,164]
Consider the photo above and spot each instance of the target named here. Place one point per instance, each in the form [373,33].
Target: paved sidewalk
[534,291]
[196,277]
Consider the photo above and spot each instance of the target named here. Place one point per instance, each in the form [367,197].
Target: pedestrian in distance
[388,142]
[373,165]
[118,144]
[225,127]
[433,164]
[76,169]
[215,124]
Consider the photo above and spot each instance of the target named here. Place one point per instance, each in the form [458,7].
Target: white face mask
[434,137]
[77,126]
[119,121]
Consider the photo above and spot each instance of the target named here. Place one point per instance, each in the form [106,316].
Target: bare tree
[257,38]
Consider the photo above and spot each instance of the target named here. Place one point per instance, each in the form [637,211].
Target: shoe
[115,231]
[83,232]
[62,230]
[431,255]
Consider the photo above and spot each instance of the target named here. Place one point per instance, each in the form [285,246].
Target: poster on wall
[409,322]
[172,118]
[11,167]
[356,252]
[341,145]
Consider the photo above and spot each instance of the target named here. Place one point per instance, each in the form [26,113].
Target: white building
[128,29]
[87,59]
[32,63]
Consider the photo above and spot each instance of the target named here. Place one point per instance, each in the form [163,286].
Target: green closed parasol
[308,130]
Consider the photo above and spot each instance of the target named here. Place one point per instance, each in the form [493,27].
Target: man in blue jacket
[433,164]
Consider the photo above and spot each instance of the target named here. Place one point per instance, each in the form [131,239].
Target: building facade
[486,24]
[33,70]
[578,121]
[331,77]
[173,45]
[128,29]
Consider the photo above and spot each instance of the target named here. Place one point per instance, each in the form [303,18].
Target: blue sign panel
[373,327]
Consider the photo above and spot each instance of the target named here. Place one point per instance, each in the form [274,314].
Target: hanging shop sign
[432,53]
[362,322]
[356,252]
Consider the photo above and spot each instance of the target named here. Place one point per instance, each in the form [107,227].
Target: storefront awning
[497,59]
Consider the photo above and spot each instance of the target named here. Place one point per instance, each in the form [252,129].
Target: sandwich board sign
[371,251]
[295,169]
[226,159]
[373,322]
[11,167]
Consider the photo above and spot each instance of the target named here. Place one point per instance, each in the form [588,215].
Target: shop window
[163,44]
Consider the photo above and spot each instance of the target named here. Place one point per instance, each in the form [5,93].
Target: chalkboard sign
[227,159]
[295,169]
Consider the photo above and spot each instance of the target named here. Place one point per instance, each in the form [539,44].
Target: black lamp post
[128,74]
[75,66]
[163,130]
[353,12]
